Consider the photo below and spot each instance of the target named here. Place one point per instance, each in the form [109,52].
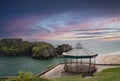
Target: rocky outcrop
[15,47]
[43,51]
[63,48]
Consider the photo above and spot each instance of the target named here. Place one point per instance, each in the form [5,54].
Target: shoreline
[109,58]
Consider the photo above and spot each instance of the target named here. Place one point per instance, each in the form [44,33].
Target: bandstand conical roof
[79,52]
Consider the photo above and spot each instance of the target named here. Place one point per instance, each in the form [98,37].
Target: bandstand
[79,60]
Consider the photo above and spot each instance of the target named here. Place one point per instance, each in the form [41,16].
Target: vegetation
[18,47]
[13,47]
[63,48]
[27,76]
[42,50]
[112,74]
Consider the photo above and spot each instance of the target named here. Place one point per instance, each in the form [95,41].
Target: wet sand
[111,59]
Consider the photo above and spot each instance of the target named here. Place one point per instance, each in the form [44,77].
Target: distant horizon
[97,46]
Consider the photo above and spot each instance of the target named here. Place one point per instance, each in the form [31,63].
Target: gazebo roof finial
[79,46]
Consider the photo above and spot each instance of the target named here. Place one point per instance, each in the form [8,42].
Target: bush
[27,76]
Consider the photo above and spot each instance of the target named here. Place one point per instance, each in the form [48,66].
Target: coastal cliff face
[63,48]
[37,50]
[43,51]
[13,47]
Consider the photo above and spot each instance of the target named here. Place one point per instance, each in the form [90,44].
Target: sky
[60,19]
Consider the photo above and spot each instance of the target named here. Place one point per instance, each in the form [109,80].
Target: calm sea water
[10,66]
[96,46]
[13,64]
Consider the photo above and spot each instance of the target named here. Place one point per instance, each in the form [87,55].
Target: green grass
[117,69]
[112,74]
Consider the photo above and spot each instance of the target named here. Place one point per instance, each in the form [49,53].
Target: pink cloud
[20,25]
[109,21]
[110,39]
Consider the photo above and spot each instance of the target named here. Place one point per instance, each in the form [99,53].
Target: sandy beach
[111,58]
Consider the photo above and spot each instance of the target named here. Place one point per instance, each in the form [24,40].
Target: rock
[63,48]
[43,51]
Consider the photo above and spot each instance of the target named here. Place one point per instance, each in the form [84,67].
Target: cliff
[63,48]
[43,50]
[37,50]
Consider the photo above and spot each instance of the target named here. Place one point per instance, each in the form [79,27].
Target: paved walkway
[58,71]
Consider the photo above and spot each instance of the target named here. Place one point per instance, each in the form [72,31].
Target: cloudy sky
[60,19]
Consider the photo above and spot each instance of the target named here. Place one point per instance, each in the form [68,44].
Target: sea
[96,46]
[12,65]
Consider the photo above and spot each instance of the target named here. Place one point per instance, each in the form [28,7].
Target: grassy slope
[112,74]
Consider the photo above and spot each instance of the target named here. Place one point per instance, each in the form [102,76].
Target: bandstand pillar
[89,64]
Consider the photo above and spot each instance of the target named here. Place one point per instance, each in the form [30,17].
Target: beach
[111,58]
